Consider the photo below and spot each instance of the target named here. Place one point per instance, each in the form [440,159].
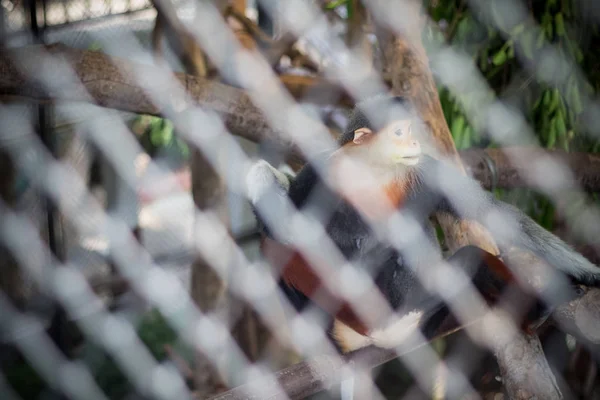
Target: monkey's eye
[398,132]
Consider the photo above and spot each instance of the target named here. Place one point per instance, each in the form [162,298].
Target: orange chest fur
[374,193]
[396,192]
[378,201]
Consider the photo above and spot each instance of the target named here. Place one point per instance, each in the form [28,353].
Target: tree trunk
[11,281]
[406,63]
[208,290]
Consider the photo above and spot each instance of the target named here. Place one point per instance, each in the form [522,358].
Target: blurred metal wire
[138,260]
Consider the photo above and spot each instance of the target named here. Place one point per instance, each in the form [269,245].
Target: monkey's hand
[267,189]
[261,177]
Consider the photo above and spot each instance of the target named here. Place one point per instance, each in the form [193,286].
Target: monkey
[417,185]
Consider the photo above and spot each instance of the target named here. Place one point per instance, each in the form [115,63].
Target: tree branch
[405,60]
[315,90]
[309,377]
[180,40]
[493,168]
[112,82]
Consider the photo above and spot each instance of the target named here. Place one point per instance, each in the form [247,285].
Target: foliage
[506,52]
[156,134]
[347,4]
[159,139]
[24,379]
[152,330]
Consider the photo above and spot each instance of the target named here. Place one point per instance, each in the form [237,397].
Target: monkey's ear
[361,134]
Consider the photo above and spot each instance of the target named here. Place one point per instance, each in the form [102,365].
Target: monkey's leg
[498,286]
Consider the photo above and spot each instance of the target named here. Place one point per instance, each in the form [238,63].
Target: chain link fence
[121,276]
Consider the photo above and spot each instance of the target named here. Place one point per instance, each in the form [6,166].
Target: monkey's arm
[267,188]
[271,191]
[263,177]
[444,188]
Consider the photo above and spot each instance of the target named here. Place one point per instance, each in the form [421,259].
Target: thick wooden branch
[180,40]
[309,377]
[493,168]
[319,373]
[407,64]
[519,362]
[315,90]
[113,82]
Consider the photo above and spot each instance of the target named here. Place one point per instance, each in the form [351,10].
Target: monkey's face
[392,145]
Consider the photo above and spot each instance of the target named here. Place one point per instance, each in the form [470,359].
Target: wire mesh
[122,311]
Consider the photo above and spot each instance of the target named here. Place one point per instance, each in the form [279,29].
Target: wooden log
[319,373]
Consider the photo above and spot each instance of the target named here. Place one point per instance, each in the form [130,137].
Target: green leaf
[554,100]
[499,58]
[350,8]
[546,98]
[537,102]
[467,138]
[168,130]
[547,24]
[527,45]
[541,39]
[548,216]
[183,148]
[578,53]
[483,59]
[552,134]
[549,30]
[560,24]
[574,49]
[561,128]
[156,134]
[335,4]
[458,126]
[577,104]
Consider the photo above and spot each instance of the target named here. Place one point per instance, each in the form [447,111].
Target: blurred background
[129,256]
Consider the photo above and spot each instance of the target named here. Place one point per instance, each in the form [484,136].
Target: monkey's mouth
[409,159]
